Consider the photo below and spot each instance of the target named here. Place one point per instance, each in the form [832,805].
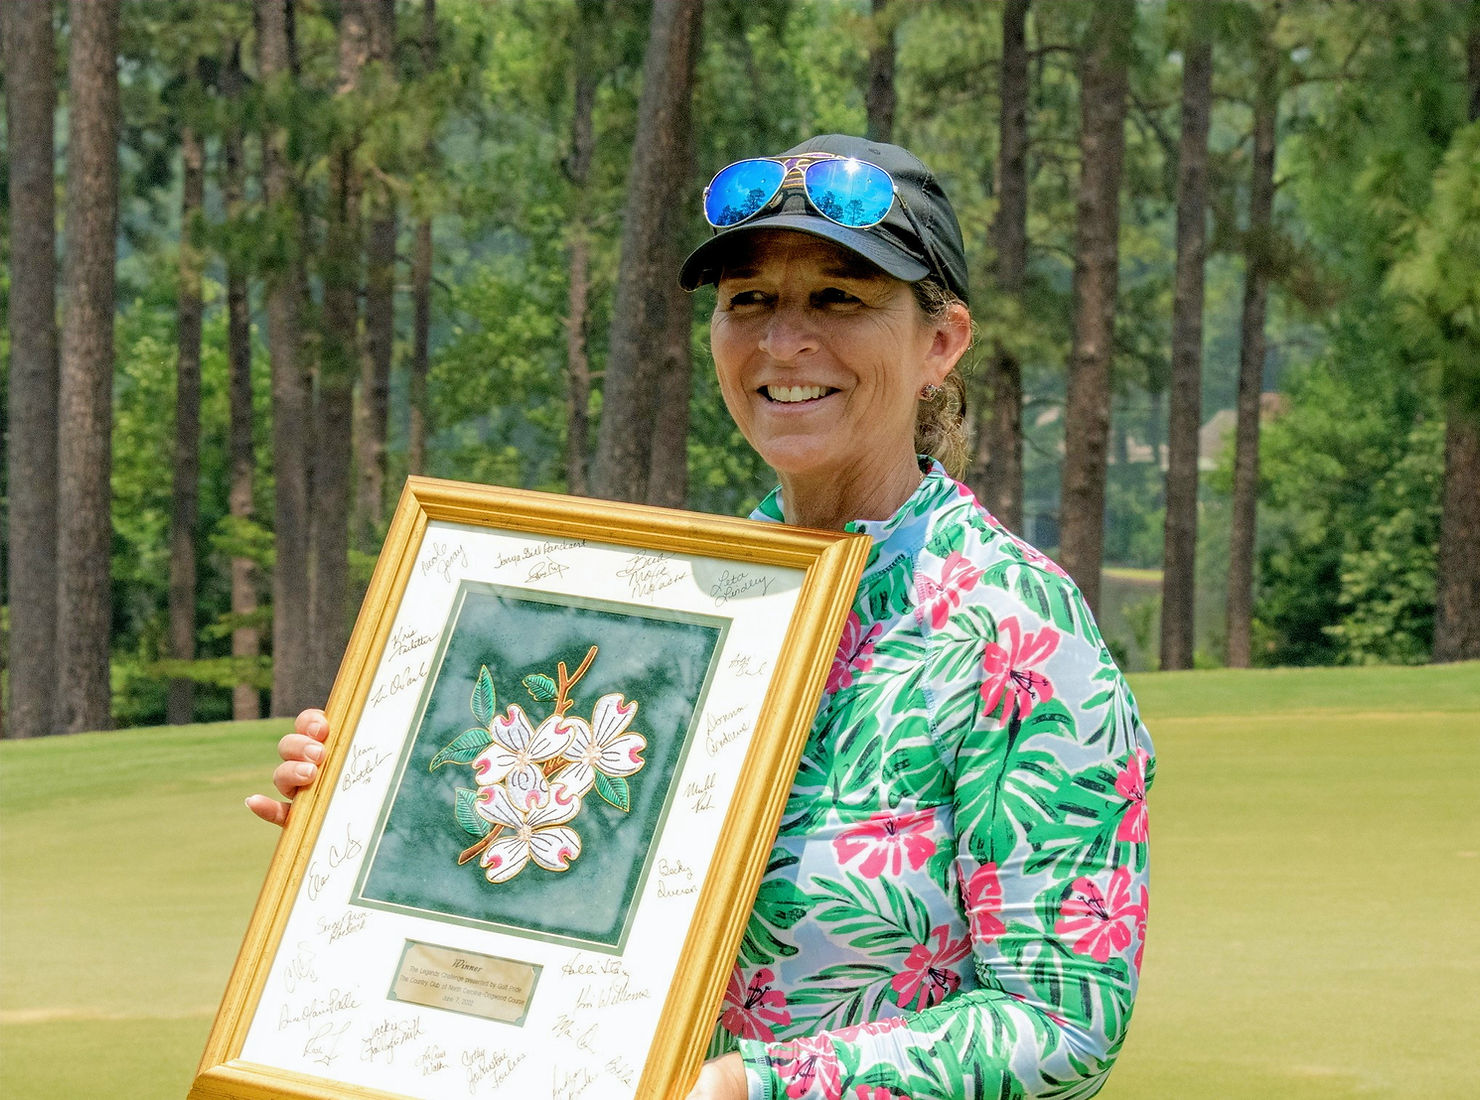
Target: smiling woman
[956,902]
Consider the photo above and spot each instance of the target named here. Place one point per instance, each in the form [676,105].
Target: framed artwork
[561,739]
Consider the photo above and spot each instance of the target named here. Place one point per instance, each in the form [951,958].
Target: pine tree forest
[262,260]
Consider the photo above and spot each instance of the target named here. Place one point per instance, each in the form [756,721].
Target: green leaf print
[485,699]
[540,687]
[463,750]
[888,926]
[779,904]
[614,789]
[467,816]
[843,993]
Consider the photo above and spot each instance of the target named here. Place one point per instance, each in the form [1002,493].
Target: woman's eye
[835,296]
[747,298]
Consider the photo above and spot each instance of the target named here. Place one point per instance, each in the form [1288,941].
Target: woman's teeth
[788,394]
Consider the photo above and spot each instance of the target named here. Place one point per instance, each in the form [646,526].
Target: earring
[930,392]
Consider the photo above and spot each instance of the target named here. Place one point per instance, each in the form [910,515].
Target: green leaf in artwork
[613,789]
[485,700]
[464,750]
[467,816]
[541,687]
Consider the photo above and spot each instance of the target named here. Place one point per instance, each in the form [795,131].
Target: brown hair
[940,419]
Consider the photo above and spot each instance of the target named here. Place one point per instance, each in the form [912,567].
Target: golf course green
[1316,885]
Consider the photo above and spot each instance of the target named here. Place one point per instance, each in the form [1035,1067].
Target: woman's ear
[951,338]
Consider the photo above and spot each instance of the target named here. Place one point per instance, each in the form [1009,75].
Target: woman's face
[821,357]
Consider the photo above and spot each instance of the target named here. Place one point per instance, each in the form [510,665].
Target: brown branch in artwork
[473,849]
[568,681]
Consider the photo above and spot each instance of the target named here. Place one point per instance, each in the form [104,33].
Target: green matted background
[664,660]
[1316,880]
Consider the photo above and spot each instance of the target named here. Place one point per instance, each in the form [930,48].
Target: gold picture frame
[381,961]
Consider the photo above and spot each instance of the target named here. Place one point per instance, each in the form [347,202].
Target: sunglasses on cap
[845,190]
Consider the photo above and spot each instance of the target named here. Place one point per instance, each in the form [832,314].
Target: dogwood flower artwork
[532,778]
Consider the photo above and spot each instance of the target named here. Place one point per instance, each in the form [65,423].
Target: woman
[956,902]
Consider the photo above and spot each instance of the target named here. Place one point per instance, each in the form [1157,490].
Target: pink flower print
[1143,909]
[1033,556]
[855,653]
[878,1092]
[888,841]
[1099,921]
[1130,784]
[937,599]
[873,1027]
[540,833]
[808,1062]
[1009,670]
[926,979]
[983,895]
[753,1010]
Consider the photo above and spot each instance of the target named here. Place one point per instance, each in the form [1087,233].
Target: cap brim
[703,264]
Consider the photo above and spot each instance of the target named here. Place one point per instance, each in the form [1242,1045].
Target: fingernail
[305,771]
[314,752]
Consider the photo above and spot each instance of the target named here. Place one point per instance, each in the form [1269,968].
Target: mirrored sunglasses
[850,192]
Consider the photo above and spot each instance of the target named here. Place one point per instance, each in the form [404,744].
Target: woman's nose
[789,334]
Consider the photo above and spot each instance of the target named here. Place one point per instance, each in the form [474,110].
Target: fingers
[312,723]
[302,751]
[269,810]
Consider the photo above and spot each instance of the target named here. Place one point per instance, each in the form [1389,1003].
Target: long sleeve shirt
[956,901]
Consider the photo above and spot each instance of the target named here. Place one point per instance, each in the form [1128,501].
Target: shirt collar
[935,488]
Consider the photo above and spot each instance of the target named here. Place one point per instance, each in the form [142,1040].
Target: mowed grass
[1316,880]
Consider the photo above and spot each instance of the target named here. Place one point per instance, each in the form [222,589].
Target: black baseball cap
[919,235]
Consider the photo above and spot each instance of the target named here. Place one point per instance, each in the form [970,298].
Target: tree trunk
[421,286]
[997,462]
[578,171]
[658,197]
[1251,357]
[880,97]
[1179,561]
[293,686]
[246,644]
[668,478]
[84,514]
[31,550]
[180,701]
[380,319]
[1103,90]
[334,395]
[1457,612]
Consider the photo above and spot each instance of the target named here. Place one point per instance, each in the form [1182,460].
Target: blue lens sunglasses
[846,191]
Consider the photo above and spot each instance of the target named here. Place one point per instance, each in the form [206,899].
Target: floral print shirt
[956,902]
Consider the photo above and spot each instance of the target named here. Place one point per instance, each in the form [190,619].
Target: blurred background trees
[1226,259]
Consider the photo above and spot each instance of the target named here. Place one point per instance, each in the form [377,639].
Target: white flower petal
[623,756]
[553,849]
[562,804]
[527,787]
[493,764]
[495,805]
[578,777]
[504,858]
[554,735]
[512,729]
[611,717]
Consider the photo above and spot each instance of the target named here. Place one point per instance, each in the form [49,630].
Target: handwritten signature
[405,639]
[649,572]
[361,766]
[407,676]
[733,584]
[443,559]
[323,1045]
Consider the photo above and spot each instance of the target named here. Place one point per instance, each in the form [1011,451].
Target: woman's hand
[721,1078]
[302,752]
